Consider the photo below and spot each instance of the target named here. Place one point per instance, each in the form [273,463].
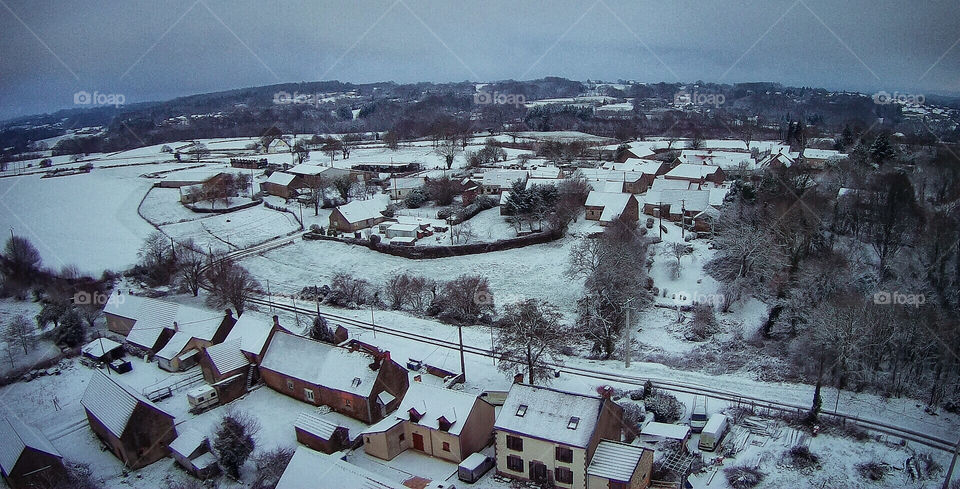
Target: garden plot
[234,230]
[162,206]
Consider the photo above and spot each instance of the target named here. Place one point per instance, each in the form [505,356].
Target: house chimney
[175,326]
[418,378]
[276,320]
[385,357]
[605,391]
[518,378]
[229,314]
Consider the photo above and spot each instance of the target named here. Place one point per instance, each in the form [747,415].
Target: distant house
[280,184]
[357,215]
[387,167]
[279,145]
[619,465]
[550,436]
[439,422]
[191,450]
[496,181]
[248,163]
[186,178]
[320,433]
[314,176]
[182,350]
[776,160]
[27,459]
[311,469]
[818,158]
[401,187]
[134,429]
[609,206]
[696,173]
[637,174]
[357,384]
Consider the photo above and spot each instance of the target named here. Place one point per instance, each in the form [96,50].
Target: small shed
[321,434]
[192,451]
[103,350]
[655,432]
[27,459]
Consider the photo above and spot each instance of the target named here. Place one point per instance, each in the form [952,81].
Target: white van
[698,416]
[713,432]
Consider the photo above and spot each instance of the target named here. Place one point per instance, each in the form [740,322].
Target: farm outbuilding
[321,434]
[191,450]
[27,459]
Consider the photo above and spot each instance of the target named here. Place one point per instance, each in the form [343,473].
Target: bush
[46,163]
[632,416]
[704,323]
[665,407]
[800,456]
[234,441]
[872,470]
[415,199]
[71,332]
[742,477]
[270,466]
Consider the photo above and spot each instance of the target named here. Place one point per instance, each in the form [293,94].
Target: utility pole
[626,334]
[660,214]
[463,365]
[270,298]
[683,217]
[946,481]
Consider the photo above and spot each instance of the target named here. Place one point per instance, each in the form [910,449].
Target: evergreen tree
[71,332]
[880,150]
[233,442]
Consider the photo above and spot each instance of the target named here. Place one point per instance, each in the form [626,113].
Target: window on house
[446,446]
[574,422]
[564,475]
[522,410]
[515,443]
[564,454]
[346,402]
[308,393]
[290,384]
[514,463]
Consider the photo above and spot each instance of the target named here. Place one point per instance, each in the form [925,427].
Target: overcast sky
[155,50]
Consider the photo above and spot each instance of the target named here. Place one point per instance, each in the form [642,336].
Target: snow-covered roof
[188,440]
[504,197]
[316,425]
[615,461]
[361,210]
[281,178]
[253,331]
[98,347]
[821,154]
[174,346]
[613,203]
[717,194]
[112,402]
[548,414]
[306,169]
[226,356]
[693,172]
[320,364]
[609,186]
[661,183]
[502,178]
[431,403]
[666,430]
[152,316]
[544,181]
[316,470]
[199,324]
[688,200]
[639,165]
[406,182]
[398,227]
[604,174]
[198,175]
[15,437]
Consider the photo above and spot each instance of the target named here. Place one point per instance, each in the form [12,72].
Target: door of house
[538,471]
[418,441]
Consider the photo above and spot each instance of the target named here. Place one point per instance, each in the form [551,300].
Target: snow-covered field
[89,220]
[234,230]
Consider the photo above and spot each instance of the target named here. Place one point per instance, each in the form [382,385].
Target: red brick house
[134,429]
[281,184]
[608,206]
[357,215]
[27,459]
[696,173]
[361,385]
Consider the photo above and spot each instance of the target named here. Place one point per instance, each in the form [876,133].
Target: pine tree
[71,331]
[233,441]
[880,150]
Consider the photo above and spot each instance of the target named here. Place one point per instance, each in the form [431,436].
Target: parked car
[473,467]
[698,416]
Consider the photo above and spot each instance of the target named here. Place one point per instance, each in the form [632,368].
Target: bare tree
[190,261]
[678,251]
[530,336]
[20,260]
[230,283]
[270,466]
[155,249]
[448,150]
[20,331]
[398,290]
